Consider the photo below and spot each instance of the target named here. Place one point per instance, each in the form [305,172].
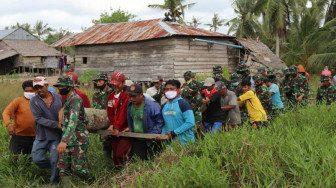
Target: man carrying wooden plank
[143,116]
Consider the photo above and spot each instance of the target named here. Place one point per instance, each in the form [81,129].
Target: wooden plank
[134,135]
[223,63]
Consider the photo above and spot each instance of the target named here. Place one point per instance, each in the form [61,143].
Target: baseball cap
[117,78]
[39,81]
[209,82]
[135,89]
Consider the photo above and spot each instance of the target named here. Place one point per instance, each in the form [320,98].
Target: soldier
[271,75]
[189,81]
[243,70]
[286,88]
[263,94]
[99,101]
[192,95]
[217,71]
[300,88]
[326,93]
[262,71]
[99,98]
[235,84]
[74,143]
[278,78]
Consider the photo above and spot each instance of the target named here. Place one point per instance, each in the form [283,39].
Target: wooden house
[145,49]
[21,52]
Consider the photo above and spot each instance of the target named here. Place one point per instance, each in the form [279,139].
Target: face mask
[64,91]
[101,87]
[171,94]
[235,83]
[28,95]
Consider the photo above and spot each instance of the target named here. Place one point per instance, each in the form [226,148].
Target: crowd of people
[55,123]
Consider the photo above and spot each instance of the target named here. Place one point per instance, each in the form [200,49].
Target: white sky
[74,14]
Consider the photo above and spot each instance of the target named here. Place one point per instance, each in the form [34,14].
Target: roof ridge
[166,27]
[13,30]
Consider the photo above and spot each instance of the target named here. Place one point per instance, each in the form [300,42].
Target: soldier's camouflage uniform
[299,88]
[192,95]
[99,98]
[326,94]
[217,72]
[271,75]
[264,96]
[75,134]
[235,86]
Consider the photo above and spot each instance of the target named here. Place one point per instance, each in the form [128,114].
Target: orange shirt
[24,121]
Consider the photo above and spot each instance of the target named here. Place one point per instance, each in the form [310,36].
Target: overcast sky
[74,14]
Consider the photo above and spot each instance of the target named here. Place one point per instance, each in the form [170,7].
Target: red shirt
[208,95]
[117,109]
[84,97]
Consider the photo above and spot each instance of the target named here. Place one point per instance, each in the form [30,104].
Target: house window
[84,60]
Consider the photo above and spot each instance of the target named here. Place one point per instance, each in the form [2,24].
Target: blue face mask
[235,83]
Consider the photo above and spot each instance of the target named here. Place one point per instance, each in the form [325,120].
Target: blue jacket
[152,121]
[179,120]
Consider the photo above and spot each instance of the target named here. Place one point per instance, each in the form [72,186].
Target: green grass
[296,150]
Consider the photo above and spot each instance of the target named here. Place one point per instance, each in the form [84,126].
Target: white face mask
[171,94]
[28,95]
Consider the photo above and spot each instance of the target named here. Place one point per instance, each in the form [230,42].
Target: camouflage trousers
[74,159]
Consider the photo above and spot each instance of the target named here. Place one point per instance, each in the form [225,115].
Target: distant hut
[21,52]
[145,49]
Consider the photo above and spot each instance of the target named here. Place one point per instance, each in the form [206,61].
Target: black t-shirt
[214,112]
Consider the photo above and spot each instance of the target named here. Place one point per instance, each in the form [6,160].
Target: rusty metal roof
[132,31]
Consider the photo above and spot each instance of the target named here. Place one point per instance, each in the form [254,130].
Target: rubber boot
[66,181]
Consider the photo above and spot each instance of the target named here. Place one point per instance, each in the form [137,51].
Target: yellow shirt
[253,105]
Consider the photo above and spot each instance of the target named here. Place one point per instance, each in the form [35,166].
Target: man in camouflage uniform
[99,98]
[192,95]
[300,88]
[243,70]
[278,78]
[326,93]
[74,143]
[217,72]
[99,101]
[263,94]
[188,77]
[286,88]
[271,74]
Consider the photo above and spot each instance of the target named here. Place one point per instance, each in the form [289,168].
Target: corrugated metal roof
[262,53]
[31,48]
[132,31]
[4,33]
[7,53]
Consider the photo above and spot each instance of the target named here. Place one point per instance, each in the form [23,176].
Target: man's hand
[206,101]
[61,148]
[126,130]
[110,128]
[169,135]
[115,132]
[158,138]
[11,130]
[60,126]
[300,98]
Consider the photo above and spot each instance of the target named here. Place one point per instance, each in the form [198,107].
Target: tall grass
[8,91]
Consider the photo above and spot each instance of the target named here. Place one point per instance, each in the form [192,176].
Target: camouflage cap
[234,76]
[217,69]
[101,76]
[324,78]
[64,81]
[258,77]
[241,67]
[270,71]
[294,69]
[193,75]
[187,74]
[278,72]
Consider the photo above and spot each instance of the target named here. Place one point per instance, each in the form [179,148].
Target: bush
[88,76]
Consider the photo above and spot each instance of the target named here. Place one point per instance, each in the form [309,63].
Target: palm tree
[246,24]
[41,29]
[175,9]
[195,22]
[216,23]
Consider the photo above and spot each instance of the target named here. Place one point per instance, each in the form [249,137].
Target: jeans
[214,126]
[39,151]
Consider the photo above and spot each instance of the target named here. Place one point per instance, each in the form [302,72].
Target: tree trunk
[277,47]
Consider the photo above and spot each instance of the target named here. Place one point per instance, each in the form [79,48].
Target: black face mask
[64,91]
[101,87]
